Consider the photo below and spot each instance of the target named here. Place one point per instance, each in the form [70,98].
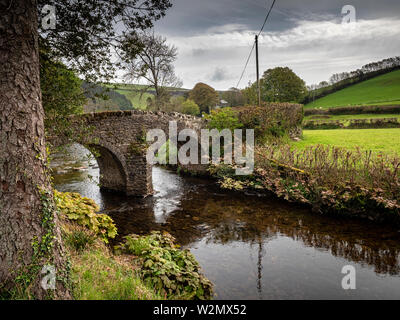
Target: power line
[266,18]
[248,59]
[251,51]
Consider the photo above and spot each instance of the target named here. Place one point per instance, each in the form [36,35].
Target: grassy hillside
[138,100]
[382,90]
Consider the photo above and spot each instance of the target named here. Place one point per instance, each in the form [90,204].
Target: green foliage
[61,92]
[175,104]
[271,121]
[204,96]
[224,118]
[276,85]
[353,123]
[79,240]
[190,107]
[86,35]
[99,275]
[83,211]
[282,85]
[167,268]
[250,95]
[234,97]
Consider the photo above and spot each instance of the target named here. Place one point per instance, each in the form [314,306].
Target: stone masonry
[119,139]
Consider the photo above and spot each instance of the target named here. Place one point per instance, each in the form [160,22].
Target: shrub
[274,119]
[224,118]
[352,124]
[395,109]
[83,211]
[190,107]
[167,268]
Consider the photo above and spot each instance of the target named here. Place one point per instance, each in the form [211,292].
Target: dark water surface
[249,246]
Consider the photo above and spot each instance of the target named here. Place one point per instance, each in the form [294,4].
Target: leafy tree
[282,85]
[190,107]
[250,95]
[62,94]
[84,37]
[234,97]
[175,104]
[153,63]
[85,33]
[204,96]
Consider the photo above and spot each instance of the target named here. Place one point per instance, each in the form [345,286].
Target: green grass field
[378,140]
[381,90]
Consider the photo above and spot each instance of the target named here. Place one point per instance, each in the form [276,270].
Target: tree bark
[23,174]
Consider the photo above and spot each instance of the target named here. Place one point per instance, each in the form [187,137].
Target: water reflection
[250,246]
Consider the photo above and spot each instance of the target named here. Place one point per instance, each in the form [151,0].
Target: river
[250,246]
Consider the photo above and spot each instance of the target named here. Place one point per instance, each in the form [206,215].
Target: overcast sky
[214,37]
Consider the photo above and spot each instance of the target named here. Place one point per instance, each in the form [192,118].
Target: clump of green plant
[166,267]
[79,240]
[84,212]
[97,274]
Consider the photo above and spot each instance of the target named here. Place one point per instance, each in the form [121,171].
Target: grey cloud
[190,17]
[197,52]
[220,74]
[216,36]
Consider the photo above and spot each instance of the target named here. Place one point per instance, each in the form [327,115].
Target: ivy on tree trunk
[29,232]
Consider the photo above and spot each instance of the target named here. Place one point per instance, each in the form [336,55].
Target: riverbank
[329,180]
[139,268]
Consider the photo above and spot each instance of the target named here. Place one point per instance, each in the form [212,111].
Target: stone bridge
[118,138]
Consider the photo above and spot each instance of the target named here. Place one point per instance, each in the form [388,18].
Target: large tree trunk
[26,210]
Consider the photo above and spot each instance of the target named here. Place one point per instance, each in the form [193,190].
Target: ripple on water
[251,247]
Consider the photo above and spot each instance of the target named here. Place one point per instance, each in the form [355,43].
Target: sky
[214,38]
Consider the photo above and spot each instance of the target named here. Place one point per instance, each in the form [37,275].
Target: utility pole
[258,74]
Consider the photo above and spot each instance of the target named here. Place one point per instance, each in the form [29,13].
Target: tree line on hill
[343,80]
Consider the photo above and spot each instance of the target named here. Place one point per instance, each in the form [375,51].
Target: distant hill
[138,99]
[101,98]
[380,90]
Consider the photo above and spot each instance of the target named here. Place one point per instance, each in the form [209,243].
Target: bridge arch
[117,138]
[112,171]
